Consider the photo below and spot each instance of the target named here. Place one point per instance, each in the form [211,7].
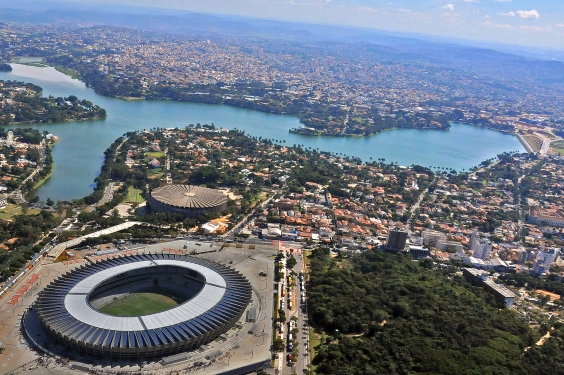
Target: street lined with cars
[294,329]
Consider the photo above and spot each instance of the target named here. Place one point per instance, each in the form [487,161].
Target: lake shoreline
[79,154]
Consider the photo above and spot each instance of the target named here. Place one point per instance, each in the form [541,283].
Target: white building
[210,227]
[545,258]
[10,138]
[481,247]
[431,237]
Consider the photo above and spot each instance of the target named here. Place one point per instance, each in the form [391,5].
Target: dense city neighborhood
[316,83]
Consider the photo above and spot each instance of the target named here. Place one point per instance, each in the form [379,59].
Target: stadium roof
[76,301]
[188,196]
[65,312]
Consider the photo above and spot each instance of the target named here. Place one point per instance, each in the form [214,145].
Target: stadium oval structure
[215,299]
[188,200]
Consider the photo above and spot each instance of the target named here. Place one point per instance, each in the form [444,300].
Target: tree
[278,345]
[291,262]
[390,304]
[60,208]
[50,202]
[33,154]
[281,316]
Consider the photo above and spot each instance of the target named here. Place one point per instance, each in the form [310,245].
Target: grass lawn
[14,210]
[557,150]
[155,154]
[69,72]
[306,254]
[139,304]
[134,195]
[534,141]
[155,173]
[547,134]
[39,64]
[314,342]
[557,147]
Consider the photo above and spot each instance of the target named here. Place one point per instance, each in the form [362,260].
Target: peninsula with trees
[22,103]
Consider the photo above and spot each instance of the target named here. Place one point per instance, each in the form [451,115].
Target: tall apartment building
[396,240]
[481,247]
[474,238]
[545,257]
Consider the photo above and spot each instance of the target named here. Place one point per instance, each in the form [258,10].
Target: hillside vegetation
[397,316]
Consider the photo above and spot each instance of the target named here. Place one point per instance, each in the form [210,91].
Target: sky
[538,23]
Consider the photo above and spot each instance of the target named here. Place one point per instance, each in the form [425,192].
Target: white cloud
[559,25]
[471,1]
[449,6]
[528,14]
[498,25]
[367,9]
[535,28]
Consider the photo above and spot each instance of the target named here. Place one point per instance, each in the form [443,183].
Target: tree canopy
[397,316]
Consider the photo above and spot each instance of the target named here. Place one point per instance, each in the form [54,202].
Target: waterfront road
[545,144]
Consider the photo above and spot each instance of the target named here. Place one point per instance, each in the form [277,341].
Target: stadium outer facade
[188,200]
[65,311]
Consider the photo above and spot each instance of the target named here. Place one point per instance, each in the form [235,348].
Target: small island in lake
[5,68]
[22,102]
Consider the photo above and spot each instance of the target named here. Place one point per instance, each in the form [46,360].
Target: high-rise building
[396,240]
[481,247]
[545,258]
[474,237]
[10,138]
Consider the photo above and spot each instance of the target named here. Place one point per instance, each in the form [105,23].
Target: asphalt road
[545,144]
[303,336]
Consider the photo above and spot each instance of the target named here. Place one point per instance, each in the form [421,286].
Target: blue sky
[531,23]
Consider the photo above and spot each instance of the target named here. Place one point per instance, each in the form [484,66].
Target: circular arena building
[143,306]
[188,200]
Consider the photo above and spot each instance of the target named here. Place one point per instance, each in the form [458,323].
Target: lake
[79,154]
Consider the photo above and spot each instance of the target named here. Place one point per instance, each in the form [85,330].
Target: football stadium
[143,306]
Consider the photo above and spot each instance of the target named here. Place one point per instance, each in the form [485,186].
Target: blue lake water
[79,154]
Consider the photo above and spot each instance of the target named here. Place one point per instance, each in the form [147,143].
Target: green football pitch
[139,304]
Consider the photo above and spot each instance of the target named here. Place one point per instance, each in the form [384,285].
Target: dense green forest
[397,316]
